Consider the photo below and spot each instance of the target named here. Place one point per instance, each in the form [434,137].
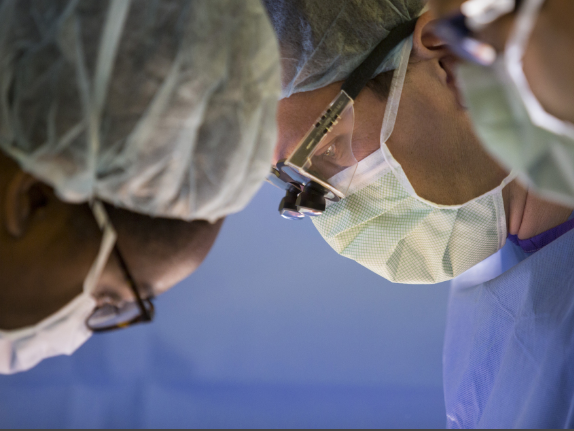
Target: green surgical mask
[543,160]
[390,230]
[385,226]
[511,122]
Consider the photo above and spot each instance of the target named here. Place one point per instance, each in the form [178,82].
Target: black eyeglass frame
[146,307]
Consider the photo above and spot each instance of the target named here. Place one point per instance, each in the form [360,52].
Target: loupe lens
[288,206]
[311,201]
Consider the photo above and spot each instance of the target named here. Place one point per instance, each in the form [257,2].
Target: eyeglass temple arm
[132,283]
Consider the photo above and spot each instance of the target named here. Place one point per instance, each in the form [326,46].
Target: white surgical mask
[385,226]
[511,122]
[65,331]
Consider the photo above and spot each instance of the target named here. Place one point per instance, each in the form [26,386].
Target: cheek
[369,113]
[434,142]
[427,109]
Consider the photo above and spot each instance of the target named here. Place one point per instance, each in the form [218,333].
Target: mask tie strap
[390,115]
[106,246]
[397,84]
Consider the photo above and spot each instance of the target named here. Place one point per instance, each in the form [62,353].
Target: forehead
[297,114]
[445,7]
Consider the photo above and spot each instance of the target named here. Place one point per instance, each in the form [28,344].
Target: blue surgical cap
[322,42]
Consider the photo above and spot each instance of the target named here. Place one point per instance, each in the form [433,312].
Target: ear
[25,197]
[426,45]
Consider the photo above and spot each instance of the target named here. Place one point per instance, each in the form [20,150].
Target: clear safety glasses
[327,148]
[110,317]
[459,29]
[313,173]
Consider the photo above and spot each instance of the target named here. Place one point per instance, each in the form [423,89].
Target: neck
[529,215]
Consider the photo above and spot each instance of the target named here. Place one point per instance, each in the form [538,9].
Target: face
[432,139]
[47,248]
[547,65]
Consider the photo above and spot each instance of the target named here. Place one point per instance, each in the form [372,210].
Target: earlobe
[19,203]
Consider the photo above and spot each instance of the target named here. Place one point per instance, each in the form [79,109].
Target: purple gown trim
[535,243]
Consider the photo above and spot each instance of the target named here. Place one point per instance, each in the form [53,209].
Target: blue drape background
[274,330]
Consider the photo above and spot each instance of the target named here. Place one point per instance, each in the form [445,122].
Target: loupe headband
[355,83]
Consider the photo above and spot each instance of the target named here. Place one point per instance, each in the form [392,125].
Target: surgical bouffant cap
[323,41]
[162,107]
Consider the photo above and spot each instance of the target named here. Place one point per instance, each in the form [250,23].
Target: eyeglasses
[111,317]
[459,29]
[321,167]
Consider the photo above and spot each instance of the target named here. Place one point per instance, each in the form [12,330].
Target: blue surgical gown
[509,344]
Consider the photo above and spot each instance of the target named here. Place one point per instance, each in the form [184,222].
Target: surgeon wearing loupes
[378,147]
[128,132]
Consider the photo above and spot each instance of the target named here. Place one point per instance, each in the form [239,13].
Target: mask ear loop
[109,237]
[397,84]
[391,110]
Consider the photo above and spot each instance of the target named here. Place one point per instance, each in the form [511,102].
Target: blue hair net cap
[322,42]
[162,107]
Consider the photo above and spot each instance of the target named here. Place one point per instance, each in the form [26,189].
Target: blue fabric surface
[508,355]
[491,267]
